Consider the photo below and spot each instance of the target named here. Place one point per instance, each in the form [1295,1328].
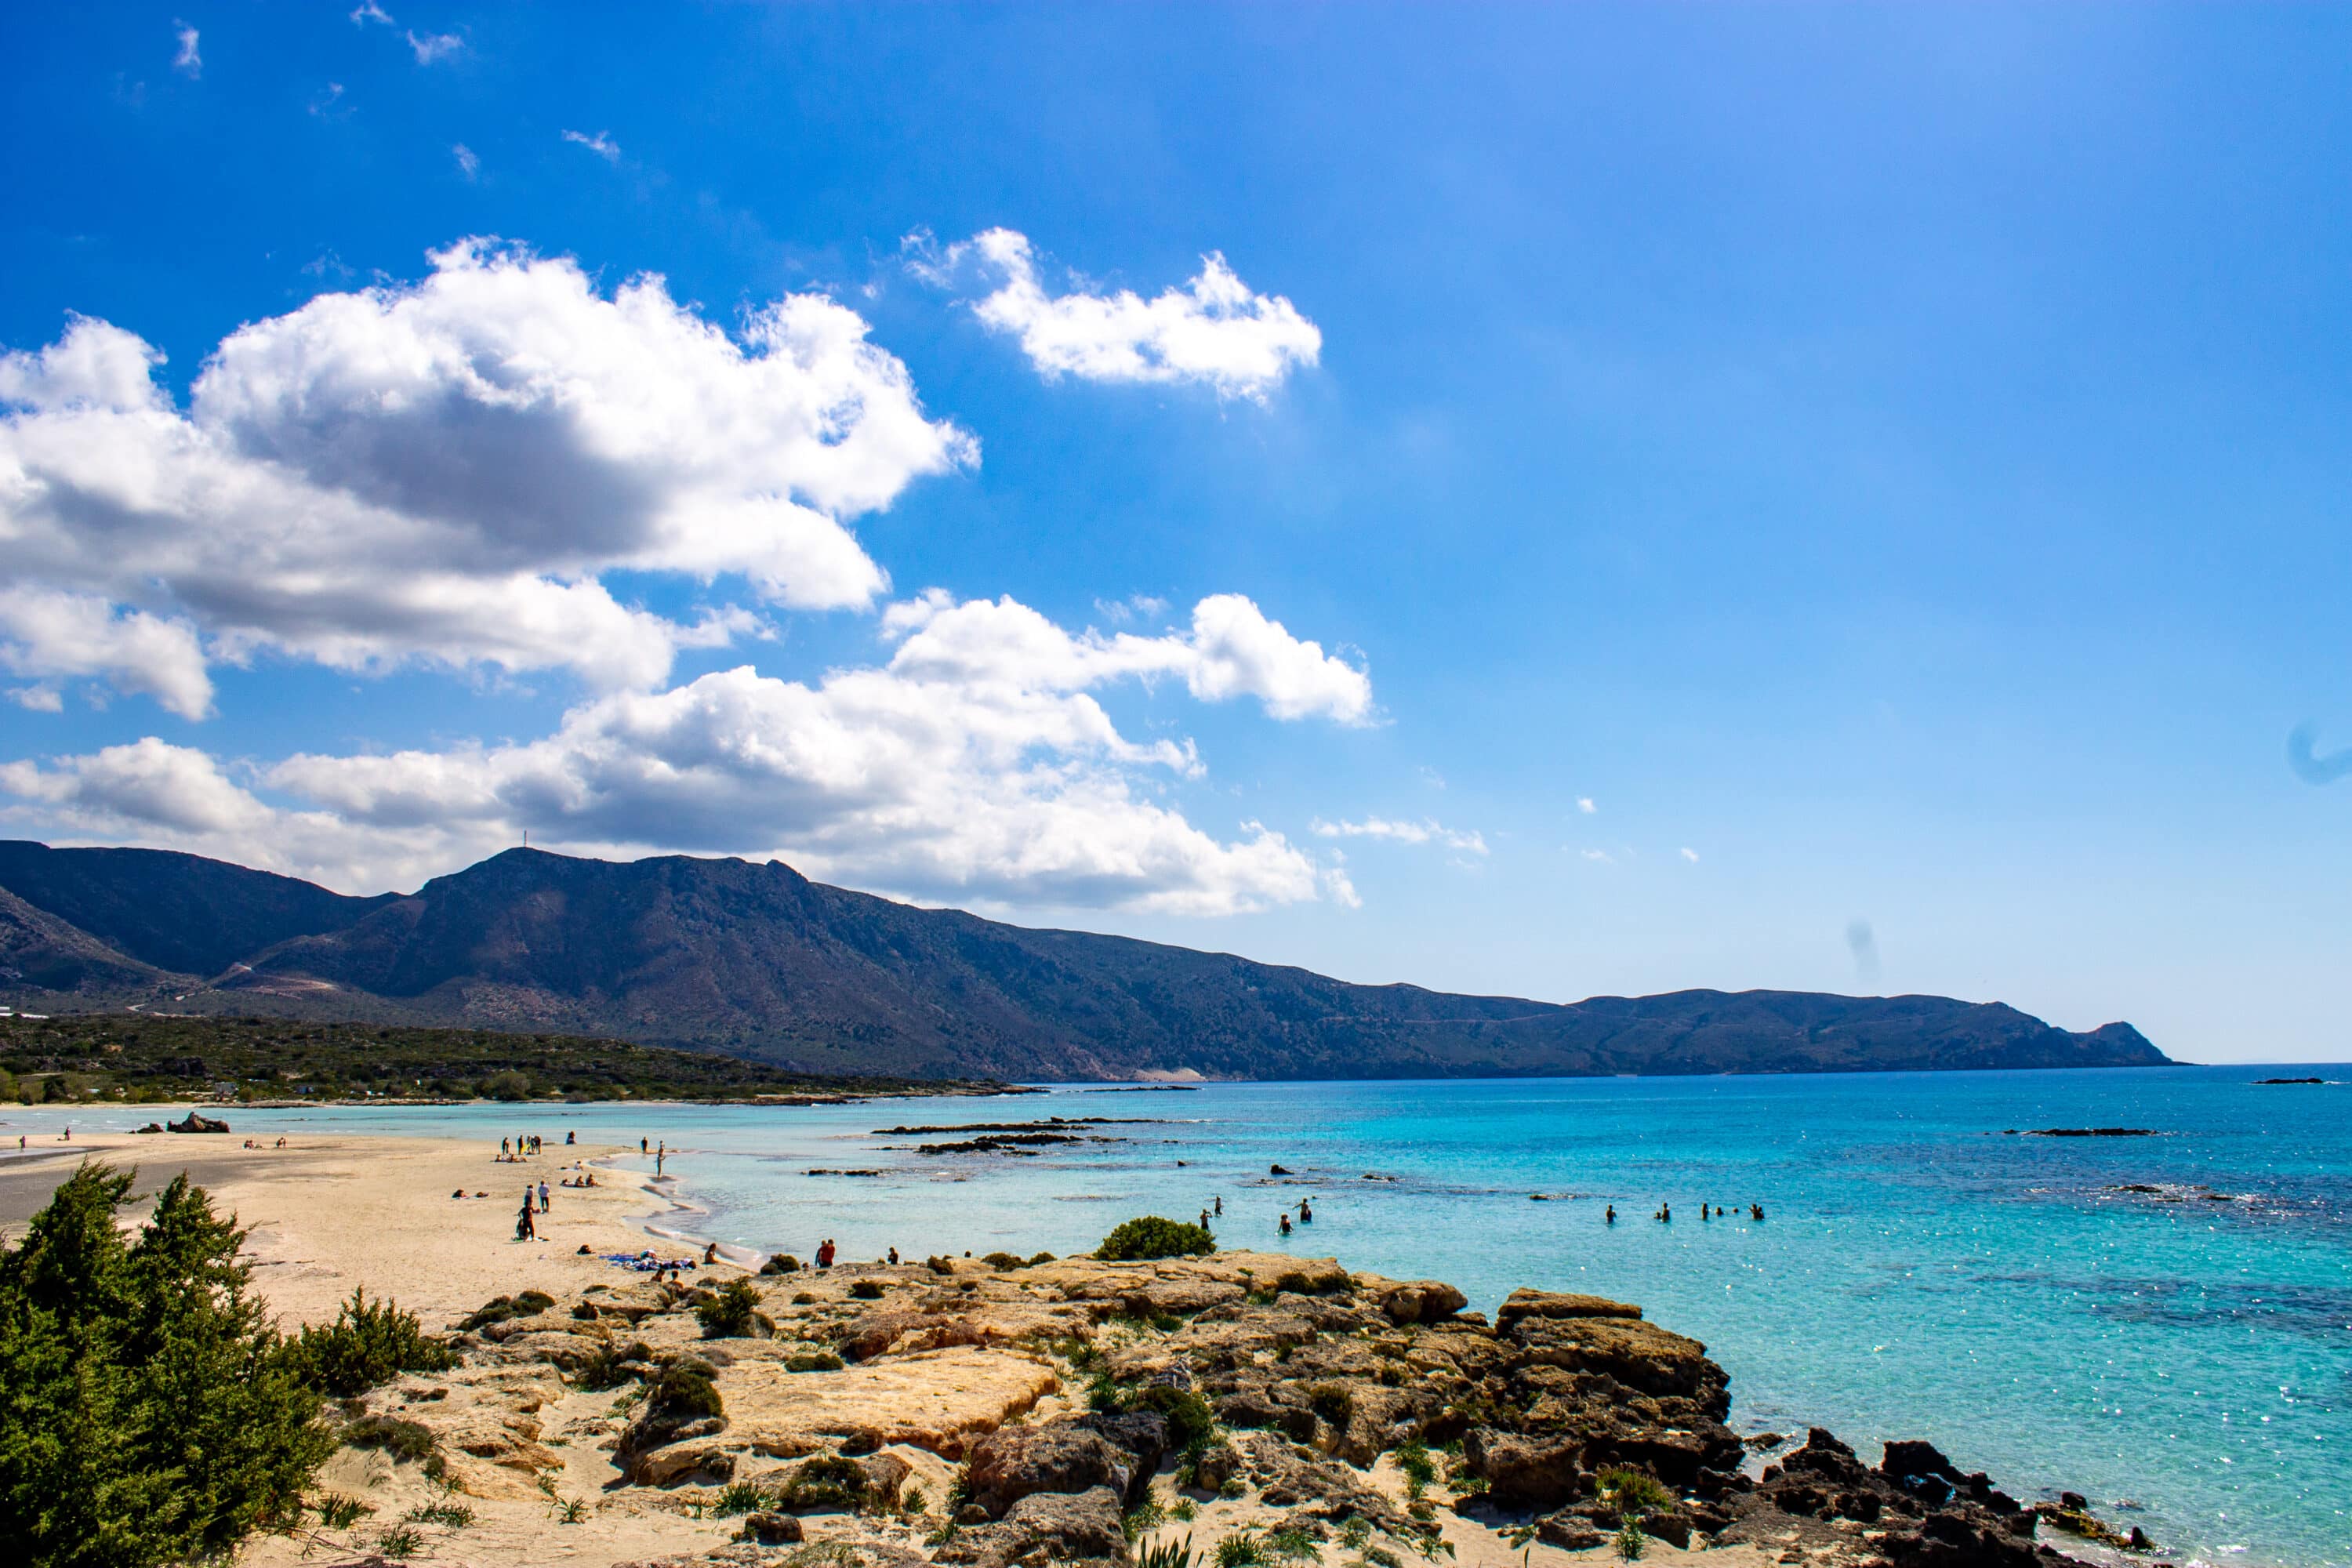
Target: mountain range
[756,960]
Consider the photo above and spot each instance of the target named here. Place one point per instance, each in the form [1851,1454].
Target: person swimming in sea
[1306,1212]
[1665,1214]
[1284,1222]
[1611,1218]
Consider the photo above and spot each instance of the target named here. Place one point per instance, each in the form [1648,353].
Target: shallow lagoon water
[2183,1354]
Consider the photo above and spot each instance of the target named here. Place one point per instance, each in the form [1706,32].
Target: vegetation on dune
[369,1343]
[730,1312]
[148,1413]
[140,1059]
[1152,1237]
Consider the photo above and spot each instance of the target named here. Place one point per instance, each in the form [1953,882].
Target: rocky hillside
[758,961]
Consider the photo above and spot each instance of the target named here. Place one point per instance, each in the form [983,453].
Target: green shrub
[410,1440]
[368,1345]
[812,1361]
[939,1265]
[732,1312]
[508,1086]
[606,1367]
[827,1480]
[1041,1258]
[1166,1554]
[1152,1237]
[781,1263]
[1190,1421]
[740,1497]
[448,1515]
[147,1411]
[1142,1520]
[1000,1261]
[1630,1491]
[683,1393]
[1629,1543]
[866,1289]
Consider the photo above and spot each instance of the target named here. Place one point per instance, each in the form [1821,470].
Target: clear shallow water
[1917,1274]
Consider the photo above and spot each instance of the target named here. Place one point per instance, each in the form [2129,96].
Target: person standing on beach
[660,1155]
[542,1195]
[641,1145]
[524,1230]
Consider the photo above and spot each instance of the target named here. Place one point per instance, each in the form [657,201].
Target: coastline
[329,1213]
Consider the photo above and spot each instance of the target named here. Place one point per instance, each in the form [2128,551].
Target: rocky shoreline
[990,1412]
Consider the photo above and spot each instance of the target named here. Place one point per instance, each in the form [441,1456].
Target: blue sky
[1889,463]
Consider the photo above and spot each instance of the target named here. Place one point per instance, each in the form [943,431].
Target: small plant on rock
[740,1497]
[1183,1510]
[1293,1544]
[781,1263]
[448,1515]
[400,1540]
[1000,1261]
[1242,1550]
[866,1289]
[1041,1258]
[812,1361]
[1629,1543]
[1631,1492]
[572,1511]
[1142,1520]
[336,1511]
[1166,1554]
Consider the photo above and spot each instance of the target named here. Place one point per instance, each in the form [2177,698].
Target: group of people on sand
[518,1147]
[257,1144]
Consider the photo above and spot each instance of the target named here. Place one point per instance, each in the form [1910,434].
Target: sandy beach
[329,1213]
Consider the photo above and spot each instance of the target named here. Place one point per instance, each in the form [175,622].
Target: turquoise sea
[2163,1323]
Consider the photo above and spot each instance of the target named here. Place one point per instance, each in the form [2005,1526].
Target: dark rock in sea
[2264,1080]
[1277,1170]
[196,1122]
[2092,1132]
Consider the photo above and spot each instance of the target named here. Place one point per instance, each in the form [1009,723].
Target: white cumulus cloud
[430,46]
[975,764]
[187,61]
[1400,832]
[1584,804]
[1213,330]
[442,472]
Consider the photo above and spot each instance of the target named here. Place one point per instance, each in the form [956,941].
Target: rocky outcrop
[196,1122]
[1572,1414]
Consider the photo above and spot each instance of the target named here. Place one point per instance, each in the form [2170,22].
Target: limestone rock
[1526,1303]
[1523,1471]
[1422,1301]
[1018,1461]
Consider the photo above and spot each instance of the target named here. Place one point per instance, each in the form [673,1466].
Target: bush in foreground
[148,1413]
[1152,1237]
[369,1343]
